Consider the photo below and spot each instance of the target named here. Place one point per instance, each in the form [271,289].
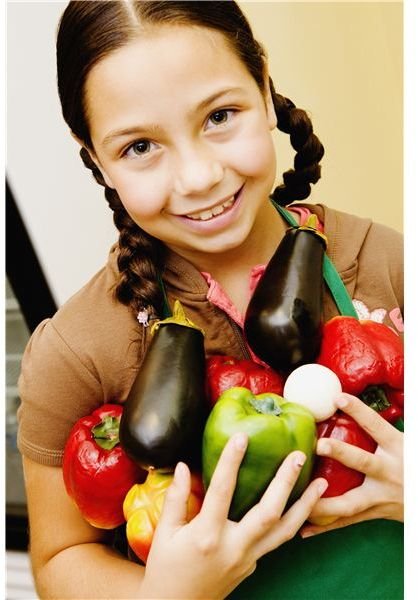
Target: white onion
[315,387]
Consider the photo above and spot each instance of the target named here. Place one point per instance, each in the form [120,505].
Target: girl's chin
[216,245]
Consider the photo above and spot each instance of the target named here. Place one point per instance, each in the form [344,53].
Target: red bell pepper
[368,359]
[341,478]
[226,372]
[97,472]
[143,505]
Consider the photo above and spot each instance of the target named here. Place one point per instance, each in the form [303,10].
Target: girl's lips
[216,222]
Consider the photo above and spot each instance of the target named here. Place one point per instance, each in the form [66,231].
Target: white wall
[64,209]
[342,61]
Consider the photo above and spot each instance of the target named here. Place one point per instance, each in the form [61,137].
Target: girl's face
[181,130]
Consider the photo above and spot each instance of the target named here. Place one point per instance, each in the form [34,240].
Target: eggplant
[283,321]
[166,408]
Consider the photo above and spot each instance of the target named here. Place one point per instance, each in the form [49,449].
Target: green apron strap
[338,290]
[332,279]
[166,306]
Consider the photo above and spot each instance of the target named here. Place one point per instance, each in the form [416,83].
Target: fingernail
[341,401]
[299,460]
[241,441]
[322,486]
[323,447]
[179,471]
[307,533]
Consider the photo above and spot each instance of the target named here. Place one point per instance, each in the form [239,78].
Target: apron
[359,562]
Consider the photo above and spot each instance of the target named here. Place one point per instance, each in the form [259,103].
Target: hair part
[88,32]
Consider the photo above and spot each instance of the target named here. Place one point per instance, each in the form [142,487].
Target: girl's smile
[214,211]
[183,133]
[216,217]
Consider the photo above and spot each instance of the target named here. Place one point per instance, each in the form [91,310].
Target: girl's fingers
[287,527]
[366,515]
[269,509]
[350,456]
[375,425]
[274,499]
[218,497]
[350,504]
[174,512]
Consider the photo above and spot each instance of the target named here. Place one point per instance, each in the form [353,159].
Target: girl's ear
[105,176]
[96,161]
[271,113]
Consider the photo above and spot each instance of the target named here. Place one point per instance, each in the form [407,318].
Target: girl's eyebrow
[140,129]
[216,95]
[127,132]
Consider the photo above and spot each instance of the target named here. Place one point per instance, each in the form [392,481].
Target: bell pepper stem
[266,406]
[375,397]
[106,433]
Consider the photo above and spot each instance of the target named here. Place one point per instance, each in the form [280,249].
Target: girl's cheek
[143,197]
[254,156]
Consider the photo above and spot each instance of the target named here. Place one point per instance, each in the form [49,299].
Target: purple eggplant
[165,412]
[283,322]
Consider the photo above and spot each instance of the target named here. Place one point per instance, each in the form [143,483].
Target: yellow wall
[342,62]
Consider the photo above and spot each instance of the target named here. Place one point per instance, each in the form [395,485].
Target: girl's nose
[197,171]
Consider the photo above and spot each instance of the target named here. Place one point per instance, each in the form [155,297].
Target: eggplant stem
[311,224]
[178,318]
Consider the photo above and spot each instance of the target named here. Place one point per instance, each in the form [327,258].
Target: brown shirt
[90,351]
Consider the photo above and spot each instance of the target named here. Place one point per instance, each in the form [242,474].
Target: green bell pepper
[274,428]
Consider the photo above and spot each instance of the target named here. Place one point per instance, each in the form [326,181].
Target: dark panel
[24,270]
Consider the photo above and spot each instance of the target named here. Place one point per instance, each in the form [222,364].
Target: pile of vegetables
[119,461]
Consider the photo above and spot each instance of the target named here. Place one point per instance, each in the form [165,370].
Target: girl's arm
[381,494]
[70,558]
[205,558]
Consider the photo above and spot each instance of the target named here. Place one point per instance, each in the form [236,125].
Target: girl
[174,110]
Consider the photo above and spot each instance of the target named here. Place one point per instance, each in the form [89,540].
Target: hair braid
[309,150]
[140,255]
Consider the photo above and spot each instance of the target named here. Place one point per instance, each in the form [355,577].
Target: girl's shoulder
[353,238]
[94,324]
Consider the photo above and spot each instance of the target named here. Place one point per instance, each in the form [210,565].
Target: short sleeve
[56,389]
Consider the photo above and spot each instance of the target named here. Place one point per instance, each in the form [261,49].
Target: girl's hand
[209,556]
[381,494]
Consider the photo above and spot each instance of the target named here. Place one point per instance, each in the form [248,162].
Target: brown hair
[89,31]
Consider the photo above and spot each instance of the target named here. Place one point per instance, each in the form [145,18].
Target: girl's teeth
[208,214]
[204,216]
[218,210]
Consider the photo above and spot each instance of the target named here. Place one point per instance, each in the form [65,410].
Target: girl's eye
[138,148]
[141,147]
[219,117]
